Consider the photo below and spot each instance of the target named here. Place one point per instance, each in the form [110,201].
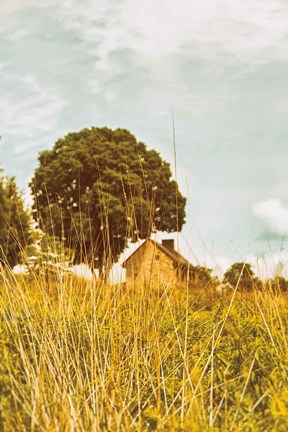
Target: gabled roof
[176,257]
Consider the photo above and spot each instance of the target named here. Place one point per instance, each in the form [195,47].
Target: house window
[157,257]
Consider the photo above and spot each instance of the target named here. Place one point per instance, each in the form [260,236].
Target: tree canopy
[204,277]
[242,275]
[14,222]
[99,187]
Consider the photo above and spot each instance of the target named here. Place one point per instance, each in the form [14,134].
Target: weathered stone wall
[150,267]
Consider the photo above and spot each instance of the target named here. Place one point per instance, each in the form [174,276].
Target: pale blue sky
[221,66]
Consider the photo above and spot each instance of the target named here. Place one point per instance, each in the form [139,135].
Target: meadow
[79,355]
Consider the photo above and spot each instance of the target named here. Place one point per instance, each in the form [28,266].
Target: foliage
[203,277]
[14,222]
[97,188]
[242,275]
[278,284]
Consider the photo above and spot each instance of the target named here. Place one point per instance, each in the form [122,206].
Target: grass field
[81,356]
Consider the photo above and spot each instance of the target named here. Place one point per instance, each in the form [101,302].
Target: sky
[221,68]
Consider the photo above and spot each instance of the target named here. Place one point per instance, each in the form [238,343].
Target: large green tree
[14,222]
[99,187]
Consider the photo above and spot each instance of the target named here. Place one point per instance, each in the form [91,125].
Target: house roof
[175,256]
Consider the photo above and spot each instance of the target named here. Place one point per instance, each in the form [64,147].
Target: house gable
[154,265]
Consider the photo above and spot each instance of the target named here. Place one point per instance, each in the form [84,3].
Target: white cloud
[241,27]
[28,110]
[155,29]
[18,34]
[162,37]
[274,213]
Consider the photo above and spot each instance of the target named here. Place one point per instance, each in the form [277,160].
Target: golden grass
[82,356]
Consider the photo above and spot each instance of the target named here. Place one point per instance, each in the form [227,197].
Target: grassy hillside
[77,356]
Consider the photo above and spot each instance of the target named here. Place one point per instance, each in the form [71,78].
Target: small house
[156,265]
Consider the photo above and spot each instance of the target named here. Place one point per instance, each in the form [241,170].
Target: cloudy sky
[220,65]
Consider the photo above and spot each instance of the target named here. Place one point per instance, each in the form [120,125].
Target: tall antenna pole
[176,186]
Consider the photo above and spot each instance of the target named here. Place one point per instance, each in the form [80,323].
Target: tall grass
[78,355]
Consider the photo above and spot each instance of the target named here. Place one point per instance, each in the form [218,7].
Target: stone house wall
[150,267]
